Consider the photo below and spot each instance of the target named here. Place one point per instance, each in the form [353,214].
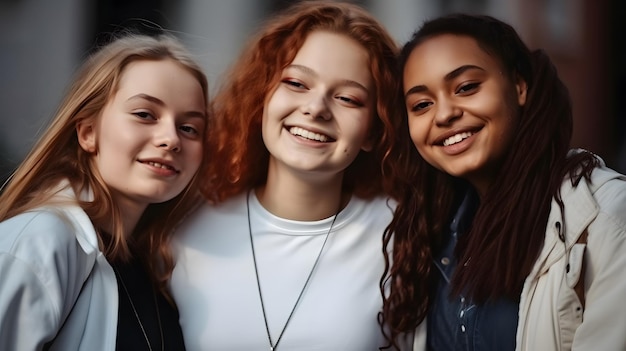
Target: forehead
[438,55]
[335,55]
[145,73]
[165,79]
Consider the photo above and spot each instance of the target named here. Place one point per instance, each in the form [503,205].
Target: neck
[129,215]
[294,198]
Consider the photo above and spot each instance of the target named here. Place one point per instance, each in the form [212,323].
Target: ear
[521,88]
[86,136]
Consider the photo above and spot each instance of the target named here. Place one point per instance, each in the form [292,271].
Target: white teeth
[457,138]
[307,134]
[159,165]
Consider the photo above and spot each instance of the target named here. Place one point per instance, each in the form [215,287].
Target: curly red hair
[238,157]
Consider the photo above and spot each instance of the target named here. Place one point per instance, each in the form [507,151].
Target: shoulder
[369,211]
[210,216]
[608,189]
[598,204]
[234,206]
[378,203]
[41,237]
[44,224]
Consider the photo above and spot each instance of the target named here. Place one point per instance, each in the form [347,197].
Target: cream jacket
[551,318]
[45,256]
[550,315]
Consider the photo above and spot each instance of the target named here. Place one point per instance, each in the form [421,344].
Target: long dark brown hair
[509,226]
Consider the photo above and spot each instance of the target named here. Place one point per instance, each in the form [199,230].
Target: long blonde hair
[57,155]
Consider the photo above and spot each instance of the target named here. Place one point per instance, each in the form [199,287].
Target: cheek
[265,129]
[361,129]
[510,118]
[195,155]
[271,110]
[274,102]
[417,131]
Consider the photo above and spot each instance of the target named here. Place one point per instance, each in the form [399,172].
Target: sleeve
[604,324]
[41,272]
[28,317]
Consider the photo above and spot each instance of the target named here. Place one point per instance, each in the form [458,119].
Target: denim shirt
[454,322]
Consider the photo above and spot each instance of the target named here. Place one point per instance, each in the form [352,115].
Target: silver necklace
[132,305]
[273,345]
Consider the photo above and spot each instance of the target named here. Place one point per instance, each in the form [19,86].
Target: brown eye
[294,83]
[466,88]
[350,101]
[420,106]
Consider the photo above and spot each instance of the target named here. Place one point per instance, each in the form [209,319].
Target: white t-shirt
[215,286]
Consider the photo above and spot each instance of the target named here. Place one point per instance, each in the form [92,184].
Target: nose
[167,137]
[447,112]
[316,107]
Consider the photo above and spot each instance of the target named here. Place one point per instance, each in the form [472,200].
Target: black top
[129,331]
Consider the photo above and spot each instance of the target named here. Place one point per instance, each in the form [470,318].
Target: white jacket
[550,314]
[45,256]
[551,317]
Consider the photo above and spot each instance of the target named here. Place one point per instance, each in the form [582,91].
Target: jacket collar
[85,233]
[581,209]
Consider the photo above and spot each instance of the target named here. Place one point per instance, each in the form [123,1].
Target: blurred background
[43,42]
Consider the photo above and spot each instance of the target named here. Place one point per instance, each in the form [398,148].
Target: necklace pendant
[271,348]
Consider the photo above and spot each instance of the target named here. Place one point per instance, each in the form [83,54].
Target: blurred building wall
[40,47]
[42,42]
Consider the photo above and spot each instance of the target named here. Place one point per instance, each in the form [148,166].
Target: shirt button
[462,328]
[462,313]
[445,261]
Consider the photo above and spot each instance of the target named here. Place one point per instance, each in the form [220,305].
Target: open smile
[160,165]
[455,137]
[309,135]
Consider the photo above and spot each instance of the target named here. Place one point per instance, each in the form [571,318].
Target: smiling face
[462,109]
[147,143]
[318,117]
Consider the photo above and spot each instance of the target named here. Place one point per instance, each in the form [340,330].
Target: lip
[330,137]
[160,164]
[441,138]
[459,147]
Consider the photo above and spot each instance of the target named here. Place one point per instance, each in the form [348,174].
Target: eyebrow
[448,77]
[345,82]
[190,114]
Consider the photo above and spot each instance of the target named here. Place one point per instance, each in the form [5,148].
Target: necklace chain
[132,305]
[273,346]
